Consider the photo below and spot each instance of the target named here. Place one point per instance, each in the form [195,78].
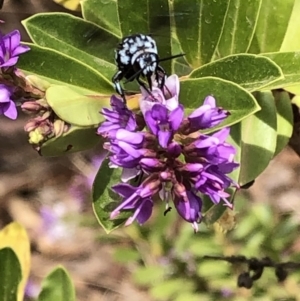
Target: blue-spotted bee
[136,57]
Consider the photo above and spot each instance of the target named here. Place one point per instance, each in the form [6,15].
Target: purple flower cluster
[10,49]
[174,161]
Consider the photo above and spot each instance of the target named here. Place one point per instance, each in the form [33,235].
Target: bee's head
[147,62]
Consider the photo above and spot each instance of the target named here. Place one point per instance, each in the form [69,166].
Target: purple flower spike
[173,161]
[190,209]
[7,106]
[207,115]
[10,48]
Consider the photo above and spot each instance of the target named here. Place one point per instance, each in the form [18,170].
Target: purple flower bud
[189,208]
[206,116]
[152,164]
[174,149]
[32,107]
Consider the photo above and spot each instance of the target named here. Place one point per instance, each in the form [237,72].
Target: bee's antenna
[159,60]
[171,57]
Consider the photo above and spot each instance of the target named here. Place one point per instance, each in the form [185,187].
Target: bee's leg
[141,83]
[116,81]
[160,78]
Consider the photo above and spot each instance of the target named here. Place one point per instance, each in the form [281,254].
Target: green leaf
[76,38]
[105,200]
[133,17]
[271,26]
[232,97]
[295,89]
[284,119]
[170,288]
[290,43]
[57,286]
[214,213]
[209,269]
[59,68]
[258,139]
[239,27]
[149,275]
[180,66]
[289,63]
[75,140]
[148,17]
[106,17]
[199,25]
[126,255]
[248,70]
[10,275]
[75,108]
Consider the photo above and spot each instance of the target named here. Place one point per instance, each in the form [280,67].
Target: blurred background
[162,260]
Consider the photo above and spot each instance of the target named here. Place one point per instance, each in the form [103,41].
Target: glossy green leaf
[134,17]
[258,139]
[239,26]
[57,286]
[289,62]
[76,38]
[271,26]
[105,16]
[59,68]
[252,72]
[284,119]
[75,108]
[199,25]
[148,17]
[180,65]
[232,97]
[75,140]
[105,200]
[295,89]
[10,275]
[290,43]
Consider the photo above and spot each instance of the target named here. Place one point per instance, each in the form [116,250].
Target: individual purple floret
[117,118]
[7,105]
[176,162]
[10,49]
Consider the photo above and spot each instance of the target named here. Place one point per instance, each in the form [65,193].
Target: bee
[136,57]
